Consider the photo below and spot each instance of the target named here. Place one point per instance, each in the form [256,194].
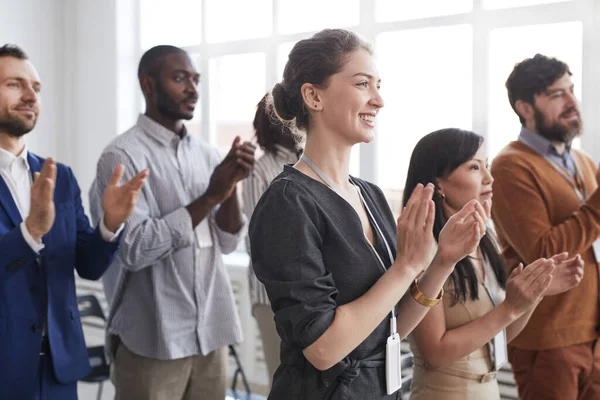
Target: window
[443,63]
[164,22]
[497,4]
[512,45]
[426,84]
[300,16]
[282,56]
[234,93]
[237,19]
[397,10]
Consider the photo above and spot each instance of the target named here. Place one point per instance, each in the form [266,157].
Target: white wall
[36,26]
[87,96]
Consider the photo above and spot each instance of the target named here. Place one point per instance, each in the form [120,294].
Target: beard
[16,127]
[556,131]
[169,107]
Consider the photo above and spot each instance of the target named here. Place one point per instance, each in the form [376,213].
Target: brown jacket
[536,214]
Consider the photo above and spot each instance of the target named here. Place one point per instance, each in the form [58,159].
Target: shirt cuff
[35,246]
[107,235]
[180,226]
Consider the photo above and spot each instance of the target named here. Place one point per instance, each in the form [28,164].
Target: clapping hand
[461,235]
[236,166]
[415,229]
[42,212]
[526,286]
[567,274]
[118,201]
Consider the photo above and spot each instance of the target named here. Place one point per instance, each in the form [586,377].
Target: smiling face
[176,92]
[351,100]
[470,180]
[19,96]
[556,111]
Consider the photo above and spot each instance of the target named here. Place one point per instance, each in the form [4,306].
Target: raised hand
[567,275]
[462,232]
[118,202]
[42,213]
[526,286]
[236,166]
[415,229]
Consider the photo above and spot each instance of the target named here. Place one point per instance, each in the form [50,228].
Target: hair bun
[284,106]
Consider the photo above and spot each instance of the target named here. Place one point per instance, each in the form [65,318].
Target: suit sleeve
[93,255]
[286,255]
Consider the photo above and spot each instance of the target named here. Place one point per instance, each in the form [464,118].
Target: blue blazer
[70,244]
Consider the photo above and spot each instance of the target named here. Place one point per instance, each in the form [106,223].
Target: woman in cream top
[461,343]
[469,377]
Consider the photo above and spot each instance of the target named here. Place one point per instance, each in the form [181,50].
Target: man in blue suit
[44,235]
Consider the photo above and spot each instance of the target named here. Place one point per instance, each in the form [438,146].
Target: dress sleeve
[286,235]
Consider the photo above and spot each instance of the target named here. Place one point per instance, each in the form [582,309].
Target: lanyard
[329,183]
[574,182]
[498,344]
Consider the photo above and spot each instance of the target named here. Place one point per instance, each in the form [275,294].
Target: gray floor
[89,391]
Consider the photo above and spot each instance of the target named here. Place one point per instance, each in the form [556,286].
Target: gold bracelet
[421,297]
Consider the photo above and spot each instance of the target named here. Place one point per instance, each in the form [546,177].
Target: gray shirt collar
[161,134]
[540,144]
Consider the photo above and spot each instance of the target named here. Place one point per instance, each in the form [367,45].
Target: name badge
[393,361]
[202,232]
[500,352]
[393,364]
[596,248]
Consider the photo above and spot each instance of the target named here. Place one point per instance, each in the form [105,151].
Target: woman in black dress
[335,266]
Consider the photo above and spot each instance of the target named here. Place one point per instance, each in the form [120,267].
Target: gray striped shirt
[265,170]
[169,292]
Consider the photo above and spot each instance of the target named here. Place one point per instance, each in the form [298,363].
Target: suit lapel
[34,164]
[8,203]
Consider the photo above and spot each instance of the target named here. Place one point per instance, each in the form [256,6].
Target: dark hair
[271,131]
[312,60]
[153,60]
[531,77]
[12,50]
[437,155]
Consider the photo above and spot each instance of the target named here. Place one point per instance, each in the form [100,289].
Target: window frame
[483,22]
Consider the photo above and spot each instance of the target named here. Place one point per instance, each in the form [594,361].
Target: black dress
[310,252]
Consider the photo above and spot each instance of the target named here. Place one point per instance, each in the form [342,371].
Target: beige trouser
[191,378]
[270,337]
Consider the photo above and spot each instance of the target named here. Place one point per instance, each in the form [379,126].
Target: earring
[443,196]
[316,105]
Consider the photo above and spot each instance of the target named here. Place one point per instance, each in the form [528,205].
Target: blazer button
[36,327]
[35,289]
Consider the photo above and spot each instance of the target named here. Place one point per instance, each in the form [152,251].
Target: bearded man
[546,202]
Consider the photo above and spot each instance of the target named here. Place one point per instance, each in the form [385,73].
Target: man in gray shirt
[172,310]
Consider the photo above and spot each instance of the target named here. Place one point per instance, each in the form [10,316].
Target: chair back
[89,306]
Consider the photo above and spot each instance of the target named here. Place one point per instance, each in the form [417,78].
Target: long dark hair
[437,155]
